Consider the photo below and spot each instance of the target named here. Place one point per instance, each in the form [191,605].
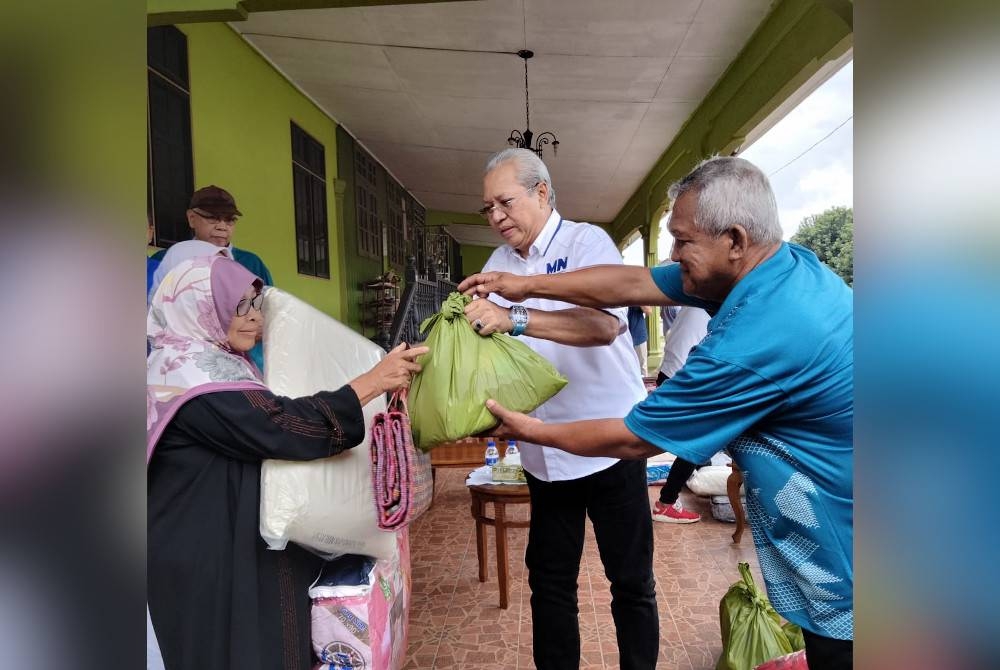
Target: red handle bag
[402,478]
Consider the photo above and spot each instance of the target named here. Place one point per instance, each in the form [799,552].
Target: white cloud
[835,179]
[819,189]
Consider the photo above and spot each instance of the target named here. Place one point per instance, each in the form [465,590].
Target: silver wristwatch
[519,317]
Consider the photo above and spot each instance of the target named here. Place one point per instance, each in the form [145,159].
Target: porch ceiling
[433,89]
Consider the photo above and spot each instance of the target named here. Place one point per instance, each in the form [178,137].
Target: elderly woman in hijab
[182,251]
[217,598]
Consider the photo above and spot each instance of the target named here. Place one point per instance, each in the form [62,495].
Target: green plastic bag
[463,369]
[751,629]
[795,637]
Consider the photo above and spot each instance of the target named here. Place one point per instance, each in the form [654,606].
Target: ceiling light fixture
[523,140]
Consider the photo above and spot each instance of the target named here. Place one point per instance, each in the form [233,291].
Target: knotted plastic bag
[794,635]
[751,629]
[464,369]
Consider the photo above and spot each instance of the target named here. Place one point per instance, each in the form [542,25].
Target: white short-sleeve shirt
[603,380]
[689,328]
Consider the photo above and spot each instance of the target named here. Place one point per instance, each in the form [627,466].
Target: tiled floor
[456,622]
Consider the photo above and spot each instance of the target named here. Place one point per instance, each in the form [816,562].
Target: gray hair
[732,191]
[530,169]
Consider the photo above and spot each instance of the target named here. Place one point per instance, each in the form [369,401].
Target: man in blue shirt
[772,382]
[151,263]
[640,335]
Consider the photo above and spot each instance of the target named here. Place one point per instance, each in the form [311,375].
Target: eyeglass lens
[505,204]
[231,219]
[243,307]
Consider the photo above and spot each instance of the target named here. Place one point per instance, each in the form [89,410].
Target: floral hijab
[186,326]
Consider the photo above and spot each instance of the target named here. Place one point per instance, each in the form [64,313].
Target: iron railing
[421,298]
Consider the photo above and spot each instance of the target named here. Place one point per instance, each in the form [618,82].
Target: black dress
[218,598]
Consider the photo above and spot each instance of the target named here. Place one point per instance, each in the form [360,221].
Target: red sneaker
[673,513]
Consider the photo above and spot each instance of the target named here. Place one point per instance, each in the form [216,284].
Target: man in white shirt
[593,350]
[689,328]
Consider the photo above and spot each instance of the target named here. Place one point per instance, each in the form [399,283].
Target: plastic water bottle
[492,455]
[512,449]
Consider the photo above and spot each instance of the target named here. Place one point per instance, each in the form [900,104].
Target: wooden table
[500,495]
[467,453]
[733,484]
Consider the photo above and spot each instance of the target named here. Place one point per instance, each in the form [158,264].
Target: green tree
[830,236]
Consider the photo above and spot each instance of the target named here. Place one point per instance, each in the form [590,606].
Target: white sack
[710,480]
[327,505]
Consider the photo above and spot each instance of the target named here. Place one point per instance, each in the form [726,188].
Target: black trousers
[826,653]
[680,472]
[617,504]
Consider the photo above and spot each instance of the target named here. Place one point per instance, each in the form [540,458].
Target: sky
[808,156]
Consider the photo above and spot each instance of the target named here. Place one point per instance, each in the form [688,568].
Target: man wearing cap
[212,215]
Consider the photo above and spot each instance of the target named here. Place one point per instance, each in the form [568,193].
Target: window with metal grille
[169,165]
[415,217]
[395,197]
[309,180]
[366,204]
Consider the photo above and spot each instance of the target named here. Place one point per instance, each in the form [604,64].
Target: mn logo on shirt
[556,266]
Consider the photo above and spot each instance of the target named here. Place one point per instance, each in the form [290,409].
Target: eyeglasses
[231,219]
[243,307]
[505,204]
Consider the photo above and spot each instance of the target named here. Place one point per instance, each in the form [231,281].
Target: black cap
[214,200]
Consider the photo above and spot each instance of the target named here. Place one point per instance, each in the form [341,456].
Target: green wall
[241,110]
[474,258]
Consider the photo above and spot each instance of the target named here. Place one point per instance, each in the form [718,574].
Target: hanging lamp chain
[527,109]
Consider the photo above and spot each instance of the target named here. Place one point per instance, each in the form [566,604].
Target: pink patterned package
[366,631]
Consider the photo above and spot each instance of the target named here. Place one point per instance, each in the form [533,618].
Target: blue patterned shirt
[773,382]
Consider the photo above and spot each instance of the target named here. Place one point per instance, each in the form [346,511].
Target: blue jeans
[616,501]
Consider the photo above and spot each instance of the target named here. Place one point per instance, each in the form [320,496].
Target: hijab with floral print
[186,326]
[180,252]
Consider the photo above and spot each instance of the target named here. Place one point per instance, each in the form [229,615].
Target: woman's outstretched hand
[393,372]
[398,367]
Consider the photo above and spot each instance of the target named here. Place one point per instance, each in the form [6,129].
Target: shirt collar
[548,231]
[762,275]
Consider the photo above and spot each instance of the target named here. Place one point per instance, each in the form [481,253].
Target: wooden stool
[500,495]
[733,484]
